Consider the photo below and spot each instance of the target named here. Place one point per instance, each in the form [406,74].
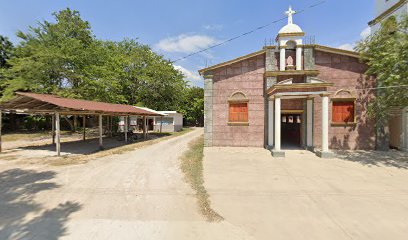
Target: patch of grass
[192,167]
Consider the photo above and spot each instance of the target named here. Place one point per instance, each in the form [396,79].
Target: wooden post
[144,127]
[75,122]
[161,123]
[125,130]
[53,129]
[84,127]
[110,126]
[1,123]
[100,132]
[57,133]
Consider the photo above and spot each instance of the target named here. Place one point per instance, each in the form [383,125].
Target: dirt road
[136,195]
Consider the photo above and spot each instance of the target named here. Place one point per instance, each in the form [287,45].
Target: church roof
[263,51]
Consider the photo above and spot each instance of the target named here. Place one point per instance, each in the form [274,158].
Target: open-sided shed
[46,104]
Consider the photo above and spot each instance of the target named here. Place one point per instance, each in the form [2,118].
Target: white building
[386,8]
[171,121]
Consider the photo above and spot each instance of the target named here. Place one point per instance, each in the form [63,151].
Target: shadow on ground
[376,158]
[21,217]
[88,146]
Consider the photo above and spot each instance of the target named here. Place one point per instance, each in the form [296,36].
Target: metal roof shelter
[46,104]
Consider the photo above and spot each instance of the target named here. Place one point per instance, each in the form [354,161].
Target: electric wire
[247,33]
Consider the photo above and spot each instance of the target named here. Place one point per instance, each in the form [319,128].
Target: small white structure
[169,121]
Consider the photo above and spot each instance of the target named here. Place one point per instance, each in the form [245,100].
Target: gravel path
[136,195]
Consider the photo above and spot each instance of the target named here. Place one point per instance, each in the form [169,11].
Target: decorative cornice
[337,51]
[269,47]
[298,34]
[325,94]
[387,12]
[290,73]
[209,76]
[202,71]
[292,111]
[298,85]
[238,123]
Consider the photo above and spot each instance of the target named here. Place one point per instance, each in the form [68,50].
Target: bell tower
[290,44]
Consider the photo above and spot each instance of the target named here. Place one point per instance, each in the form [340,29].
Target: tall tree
[386,53]
[6,49]
[193,106]
[64,58]
[53,57]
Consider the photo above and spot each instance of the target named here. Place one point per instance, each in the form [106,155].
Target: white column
[309,122]
[125,130]
[57,134]
[282,59]
[100,132]
[277,123]
[325,123]
[298,58]
[270,123]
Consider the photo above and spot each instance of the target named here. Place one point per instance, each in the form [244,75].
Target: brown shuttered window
[343,112]
[238,112]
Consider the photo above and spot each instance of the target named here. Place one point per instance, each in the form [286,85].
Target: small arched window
[238,109]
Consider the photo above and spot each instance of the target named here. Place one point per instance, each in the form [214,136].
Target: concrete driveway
[136,195]
[362,196]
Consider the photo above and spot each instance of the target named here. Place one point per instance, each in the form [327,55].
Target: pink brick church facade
[306,96]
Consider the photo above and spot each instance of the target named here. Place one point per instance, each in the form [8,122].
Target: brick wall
[247,77]
[346,73]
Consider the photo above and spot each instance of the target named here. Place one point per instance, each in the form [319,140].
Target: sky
[181,27]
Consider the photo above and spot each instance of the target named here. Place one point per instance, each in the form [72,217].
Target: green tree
[6,50]
[53,57]
[386,54]
[64,58]
[146,79]
[193,106]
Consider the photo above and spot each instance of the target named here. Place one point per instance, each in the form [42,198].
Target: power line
[247,33]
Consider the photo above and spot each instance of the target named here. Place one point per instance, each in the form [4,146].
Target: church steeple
[290,37]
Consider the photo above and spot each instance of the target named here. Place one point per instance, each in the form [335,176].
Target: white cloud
[214,27]
[365,33]
[347,46]
[188,75]
[186,43]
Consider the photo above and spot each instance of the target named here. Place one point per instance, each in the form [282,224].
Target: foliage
[6,49]
[65,58]
[193,106]
[386,54]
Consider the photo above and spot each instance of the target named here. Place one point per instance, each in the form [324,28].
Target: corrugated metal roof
[77,105]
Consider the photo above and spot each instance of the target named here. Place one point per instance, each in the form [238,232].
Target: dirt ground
[34,149]
[136,195]
[360,195]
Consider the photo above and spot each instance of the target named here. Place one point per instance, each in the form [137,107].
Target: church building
[290,95]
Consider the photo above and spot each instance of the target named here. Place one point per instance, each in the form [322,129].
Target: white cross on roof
[290,13]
